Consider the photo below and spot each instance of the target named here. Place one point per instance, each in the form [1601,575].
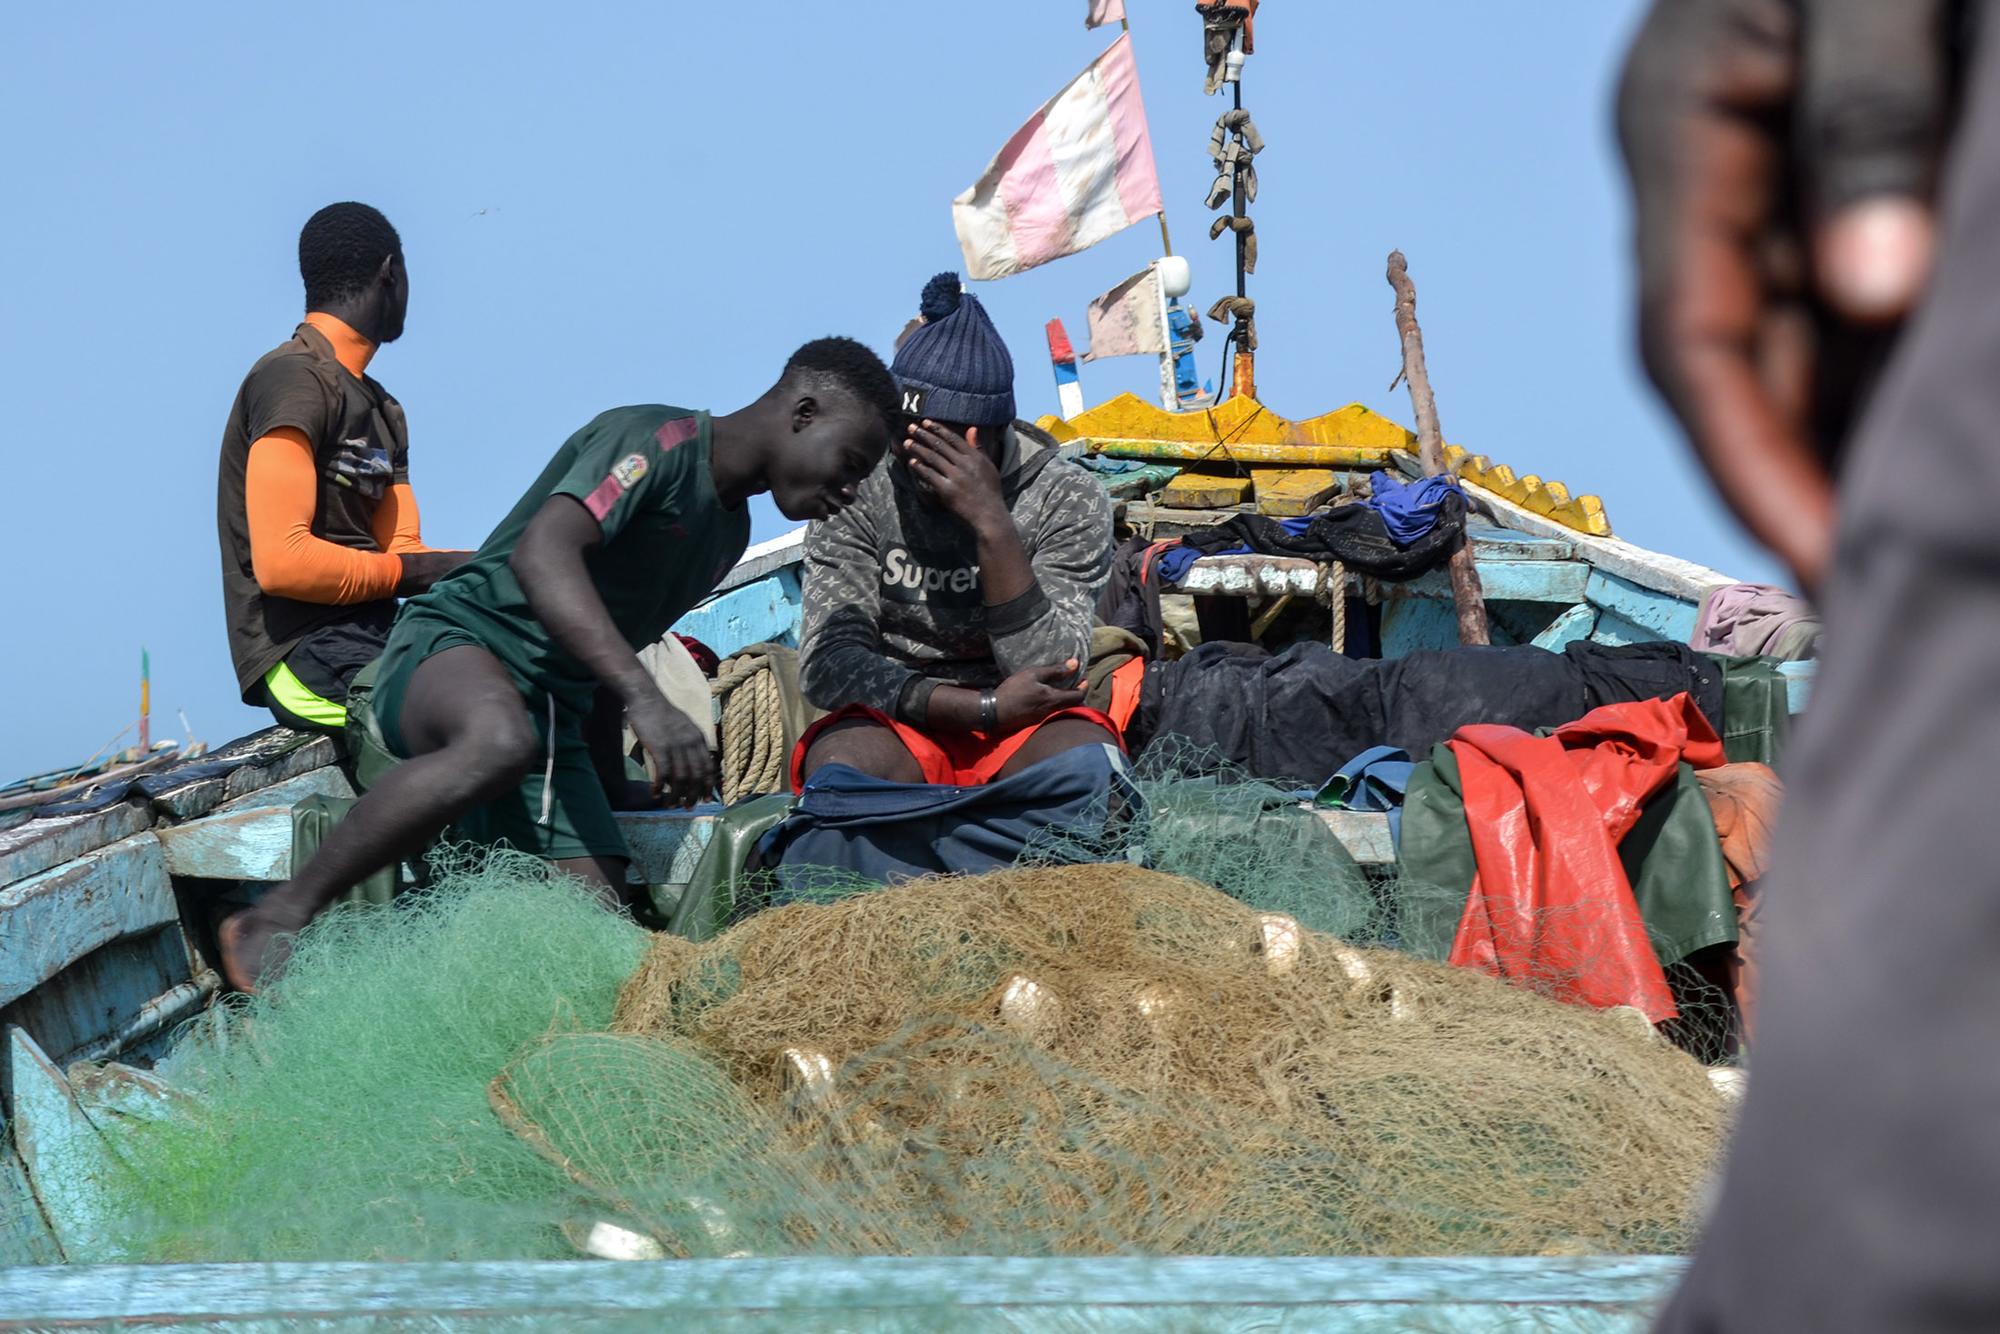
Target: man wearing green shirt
[501,689]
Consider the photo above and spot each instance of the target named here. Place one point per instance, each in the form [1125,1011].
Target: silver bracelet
[989,712]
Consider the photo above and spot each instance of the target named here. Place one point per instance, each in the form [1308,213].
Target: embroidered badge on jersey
[624,475]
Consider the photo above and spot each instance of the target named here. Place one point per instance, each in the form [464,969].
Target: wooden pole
[1466,593]
[1166,242]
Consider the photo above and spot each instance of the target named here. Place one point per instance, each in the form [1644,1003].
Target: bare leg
[863,744]
[1053,738]
[471,739]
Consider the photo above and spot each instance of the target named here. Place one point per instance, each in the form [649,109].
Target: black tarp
[1300,715]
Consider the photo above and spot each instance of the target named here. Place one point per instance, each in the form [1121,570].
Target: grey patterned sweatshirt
[892,598]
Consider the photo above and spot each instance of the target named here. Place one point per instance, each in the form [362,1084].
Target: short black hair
[852,368]
[341,248]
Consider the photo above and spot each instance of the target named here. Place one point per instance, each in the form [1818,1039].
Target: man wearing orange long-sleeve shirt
[318,523]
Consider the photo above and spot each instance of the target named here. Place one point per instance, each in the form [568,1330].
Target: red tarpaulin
[1550,906]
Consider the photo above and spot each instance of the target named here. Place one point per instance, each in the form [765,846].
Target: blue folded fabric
[872,830]
[1374,780]
[1175,560]
[1408,509]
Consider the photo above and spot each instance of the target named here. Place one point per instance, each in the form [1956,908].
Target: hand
[1032,694]
[1782,156]
[421,569]
[957,471]
[679,767]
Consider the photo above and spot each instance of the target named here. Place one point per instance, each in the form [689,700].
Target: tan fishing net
[1102,1059]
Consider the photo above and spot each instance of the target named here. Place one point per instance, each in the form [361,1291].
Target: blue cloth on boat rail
[848,826]
[1409,510]
[1175,560]
[1353,535]
[1374,780]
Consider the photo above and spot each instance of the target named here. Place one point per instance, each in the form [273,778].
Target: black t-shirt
[347,419]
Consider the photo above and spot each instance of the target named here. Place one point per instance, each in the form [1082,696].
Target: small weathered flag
[1125,321]
[1079,171]
[1069,389]
[1105,11]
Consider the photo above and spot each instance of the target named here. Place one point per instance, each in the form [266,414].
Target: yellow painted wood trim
[1241,420]
[1189,451]
[1242,431]
[1551,500]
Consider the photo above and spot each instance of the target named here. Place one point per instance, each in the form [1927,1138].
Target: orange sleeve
[280,494]
[398,527]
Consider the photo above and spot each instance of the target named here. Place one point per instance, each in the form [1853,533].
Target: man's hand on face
[957,471]
[1782,155]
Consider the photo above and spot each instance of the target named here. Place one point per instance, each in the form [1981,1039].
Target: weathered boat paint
[69,1164]
[1573,625]
[51,920]
[1238,1293]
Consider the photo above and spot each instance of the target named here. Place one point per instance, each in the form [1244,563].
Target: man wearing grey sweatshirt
[948,610]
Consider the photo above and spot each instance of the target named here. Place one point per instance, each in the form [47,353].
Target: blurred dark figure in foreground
[1808,175]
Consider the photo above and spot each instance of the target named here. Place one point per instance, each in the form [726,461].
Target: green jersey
[643,473]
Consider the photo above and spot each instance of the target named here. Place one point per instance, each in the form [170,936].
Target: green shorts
[577,819]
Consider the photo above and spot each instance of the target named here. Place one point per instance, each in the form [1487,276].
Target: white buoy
[608,1241]
[1154,1000]
[1029,1006]
[1279,942]
[807,1080]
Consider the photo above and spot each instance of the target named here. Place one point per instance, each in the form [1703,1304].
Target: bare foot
[253,950]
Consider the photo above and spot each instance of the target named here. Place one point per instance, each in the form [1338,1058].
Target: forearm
[953,709]
[421,569]
[836,671]
[549,562]
[280,498]
[1766,472]
[1005,572]
[298,565]
[1024,625]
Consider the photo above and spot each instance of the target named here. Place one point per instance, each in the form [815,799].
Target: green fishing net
[344,1115]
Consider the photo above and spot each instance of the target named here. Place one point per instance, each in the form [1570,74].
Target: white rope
[549,768]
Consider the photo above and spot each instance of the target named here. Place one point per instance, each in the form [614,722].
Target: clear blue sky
[605,204]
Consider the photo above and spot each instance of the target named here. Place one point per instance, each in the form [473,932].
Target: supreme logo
[905,573]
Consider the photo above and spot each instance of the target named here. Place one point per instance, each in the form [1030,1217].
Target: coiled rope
[753,728]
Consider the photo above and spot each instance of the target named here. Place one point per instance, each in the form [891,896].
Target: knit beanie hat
[954,367]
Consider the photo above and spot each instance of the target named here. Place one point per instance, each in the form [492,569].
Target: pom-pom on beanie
[954,367]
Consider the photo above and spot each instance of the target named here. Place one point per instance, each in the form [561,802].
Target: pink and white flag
[1080,170]
[1103,12]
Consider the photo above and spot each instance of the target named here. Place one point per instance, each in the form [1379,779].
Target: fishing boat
[112,881]
[109,898]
